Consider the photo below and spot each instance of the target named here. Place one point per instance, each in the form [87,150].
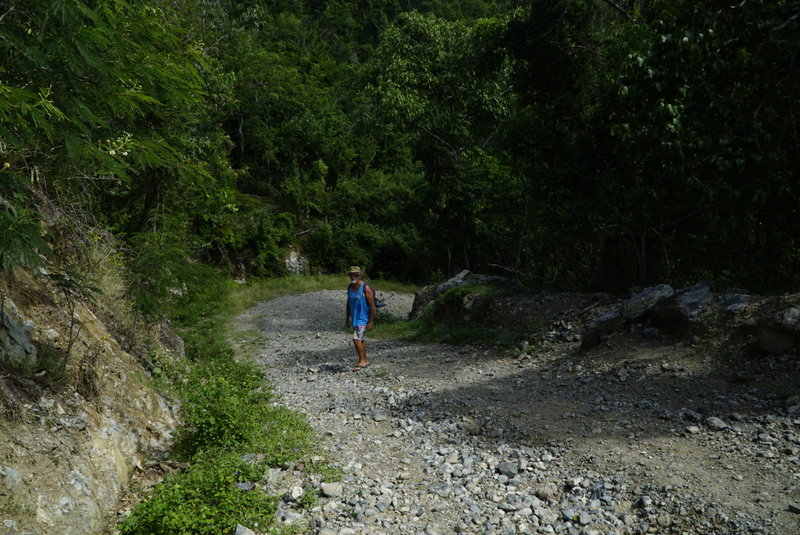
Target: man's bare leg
[361,350]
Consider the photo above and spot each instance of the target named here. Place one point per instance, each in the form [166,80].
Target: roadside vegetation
[233,428]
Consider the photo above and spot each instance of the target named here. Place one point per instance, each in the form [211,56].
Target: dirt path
[632,437]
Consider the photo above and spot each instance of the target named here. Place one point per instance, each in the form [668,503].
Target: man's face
[354,277]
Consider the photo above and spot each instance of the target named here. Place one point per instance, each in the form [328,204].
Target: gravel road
[440,439]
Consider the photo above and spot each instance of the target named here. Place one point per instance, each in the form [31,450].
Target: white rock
[332,490]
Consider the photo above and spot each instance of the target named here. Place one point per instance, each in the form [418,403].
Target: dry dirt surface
[637,435]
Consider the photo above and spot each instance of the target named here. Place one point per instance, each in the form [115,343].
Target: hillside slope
[79,414]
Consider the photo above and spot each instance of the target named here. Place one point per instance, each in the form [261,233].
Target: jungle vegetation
[574,144]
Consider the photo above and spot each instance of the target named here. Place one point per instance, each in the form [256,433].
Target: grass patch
[329,472]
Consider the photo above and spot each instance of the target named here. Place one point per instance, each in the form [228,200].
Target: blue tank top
[359,308]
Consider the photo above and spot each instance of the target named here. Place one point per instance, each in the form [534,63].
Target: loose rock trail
[443,439]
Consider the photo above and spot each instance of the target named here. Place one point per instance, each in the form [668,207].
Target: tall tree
[435,89]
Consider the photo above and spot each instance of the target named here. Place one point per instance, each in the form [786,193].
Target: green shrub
[225,406]
[203,500]
[286,436]
[206,342]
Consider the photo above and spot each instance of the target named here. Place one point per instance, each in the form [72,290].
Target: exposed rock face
[65,456]
[295,263]
[16,349]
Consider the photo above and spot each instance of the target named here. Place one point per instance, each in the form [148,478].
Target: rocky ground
[637,435]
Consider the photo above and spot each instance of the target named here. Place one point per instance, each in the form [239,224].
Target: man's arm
[370,295]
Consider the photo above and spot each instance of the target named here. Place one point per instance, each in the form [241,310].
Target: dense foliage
[571,143]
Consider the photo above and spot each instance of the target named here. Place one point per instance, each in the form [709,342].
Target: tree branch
[8,207]
[618,8]
[780,27]
[440,140]
[7,12]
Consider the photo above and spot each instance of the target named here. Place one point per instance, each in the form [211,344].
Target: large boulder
[601,326]
[641,302]
[779,333]
[428,294]
[683,311]
[673,312]
[632,309]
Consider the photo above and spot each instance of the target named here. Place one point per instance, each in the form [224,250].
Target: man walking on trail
[360,314]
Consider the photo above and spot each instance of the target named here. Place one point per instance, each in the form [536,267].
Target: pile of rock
[774,322]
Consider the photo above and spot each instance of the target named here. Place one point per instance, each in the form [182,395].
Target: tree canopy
[572,144]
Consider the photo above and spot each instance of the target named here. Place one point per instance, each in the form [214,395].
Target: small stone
[664,520]
[693,416]
[507,469]
[584,518]
[331,506]
[574,482]
[715,423]
[651,332]
[332,490]
[547,492]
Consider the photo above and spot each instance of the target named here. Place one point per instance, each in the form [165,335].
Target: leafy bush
[203,500]
[225,406]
